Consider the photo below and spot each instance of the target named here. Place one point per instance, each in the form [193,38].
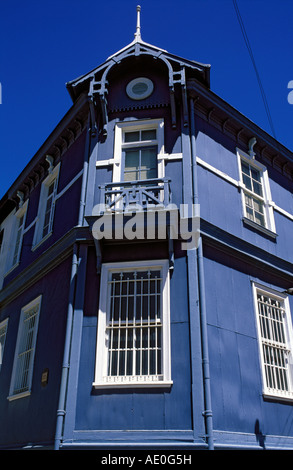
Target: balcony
[132,195]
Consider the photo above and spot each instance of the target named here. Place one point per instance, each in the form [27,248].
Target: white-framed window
[16,237]
[133,339]
[274,326]
[22,371]
[256,194]
[138,150]
[3,331]
[46,208]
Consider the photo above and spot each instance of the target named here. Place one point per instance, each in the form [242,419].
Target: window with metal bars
[275,338]
[25,350]
[133,331]
[134,328]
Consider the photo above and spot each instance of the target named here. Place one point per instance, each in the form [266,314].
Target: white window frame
[102,380]
[3,334]
[25,349]
[266,199]
[272,344]
[38,235]
[119,145]
[15,238]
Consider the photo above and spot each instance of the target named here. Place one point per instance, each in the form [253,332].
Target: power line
[247,43]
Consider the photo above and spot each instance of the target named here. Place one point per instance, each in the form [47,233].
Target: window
[25,350]
[140,154]
[253,193]
[275,342]
[256,197]
[139,146]
[3,330]
[46,209]
[133,347]
[16,237]
[49,208]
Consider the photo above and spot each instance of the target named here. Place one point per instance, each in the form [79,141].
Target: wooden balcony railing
[143,194]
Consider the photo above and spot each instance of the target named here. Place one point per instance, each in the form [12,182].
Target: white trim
[34,303]
[163,156]
[218,172]
[240,185]
[102,352]
[74,179]
[261,289]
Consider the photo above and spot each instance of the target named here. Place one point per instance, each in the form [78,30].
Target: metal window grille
[49,211]
[134,327]
[275,350]
[25,353]
[253,194]
[3,330]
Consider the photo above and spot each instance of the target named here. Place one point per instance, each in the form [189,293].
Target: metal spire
[137,34]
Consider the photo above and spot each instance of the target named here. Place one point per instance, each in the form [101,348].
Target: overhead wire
[247,43]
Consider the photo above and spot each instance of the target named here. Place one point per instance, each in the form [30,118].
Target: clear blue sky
[46,43]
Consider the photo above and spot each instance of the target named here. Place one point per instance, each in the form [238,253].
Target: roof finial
[137,35]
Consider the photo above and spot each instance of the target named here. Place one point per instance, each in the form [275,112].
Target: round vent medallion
[139,88]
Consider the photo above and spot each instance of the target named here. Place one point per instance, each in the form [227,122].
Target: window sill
[18,395]
[260,228]
[36,246]
[11,269]
[133,384]
[276,397]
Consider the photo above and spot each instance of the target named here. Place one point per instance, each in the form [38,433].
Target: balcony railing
[144,194]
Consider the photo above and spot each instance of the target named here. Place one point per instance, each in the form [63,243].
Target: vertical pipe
[66,354]
[207,413]
[84,175]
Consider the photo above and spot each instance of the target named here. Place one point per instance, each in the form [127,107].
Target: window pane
[150,134]
[257,188]
[148,163]
[255,174]
[247,182]
[131,136]
[245,168]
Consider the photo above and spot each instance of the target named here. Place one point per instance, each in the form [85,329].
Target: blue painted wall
[136,409]
[236,381]
[220,201]
[33,418]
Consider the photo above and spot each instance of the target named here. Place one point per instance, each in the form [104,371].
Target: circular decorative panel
[139,88]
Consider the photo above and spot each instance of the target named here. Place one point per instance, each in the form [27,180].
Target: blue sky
[44,44]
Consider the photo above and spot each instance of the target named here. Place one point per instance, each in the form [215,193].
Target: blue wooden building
[145,270]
